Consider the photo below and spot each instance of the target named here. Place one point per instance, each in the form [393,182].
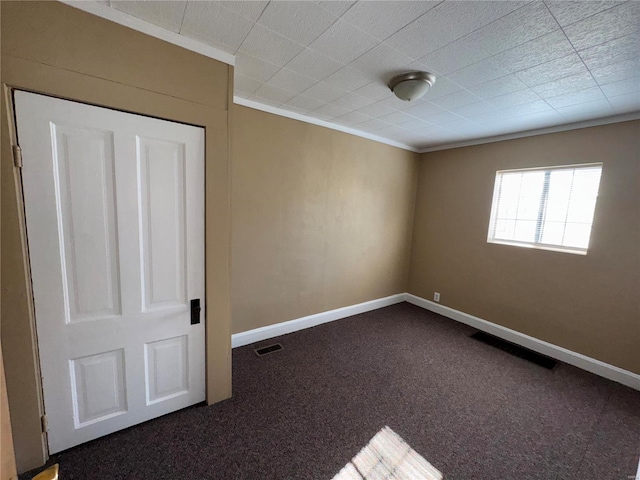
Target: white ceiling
[501,66]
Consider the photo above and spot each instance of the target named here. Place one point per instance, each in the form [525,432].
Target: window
[550,208]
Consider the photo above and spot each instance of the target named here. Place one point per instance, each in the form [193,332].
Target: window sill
[538,246]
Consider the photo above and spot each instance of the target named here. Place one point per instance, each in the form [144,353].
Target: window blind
[552,206]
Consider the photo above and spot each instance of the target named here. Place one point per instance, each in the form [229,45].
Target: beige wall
[7,457]
[321,219]
[51,48]
[589,304]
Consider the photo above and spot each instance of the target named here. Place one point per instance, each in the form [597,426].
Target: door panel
[84,166]
[115,222]
[162,190]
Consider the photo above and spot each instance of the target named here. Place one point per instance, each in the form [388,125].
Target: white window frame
[536,245]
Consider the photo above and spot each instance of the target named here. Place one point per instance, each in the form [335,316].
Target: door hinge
[44,424]
[17,156]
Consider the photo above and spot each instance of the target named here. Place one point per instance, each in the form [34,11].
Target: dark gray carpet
[473,411]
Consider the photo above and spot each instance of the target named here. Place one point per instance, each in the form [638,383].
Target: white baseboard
[589,364]
[270,331]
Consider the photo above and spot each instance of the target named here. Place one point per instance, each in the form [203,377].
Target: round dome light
[412,85]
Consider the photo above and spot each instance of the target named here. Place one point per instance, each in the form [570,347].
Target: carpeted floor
[473,411]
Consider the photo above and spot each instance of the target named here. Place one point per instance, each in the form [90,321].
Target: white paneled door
[115,223]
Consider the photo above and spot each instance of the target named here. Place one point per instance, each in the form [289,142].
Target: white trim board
[468,143]
[625,117]
[316,121]
[270,331]
[106,12]
[589,364]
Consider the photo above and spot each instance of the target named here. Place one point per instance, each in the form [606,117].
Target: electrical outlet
[436,297]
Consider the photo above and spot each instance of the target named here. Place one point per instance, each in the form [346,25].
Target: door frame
[194,138]
[25,396]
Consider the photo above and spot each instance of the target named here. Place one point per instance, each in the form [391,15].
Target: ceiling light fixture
[412,85]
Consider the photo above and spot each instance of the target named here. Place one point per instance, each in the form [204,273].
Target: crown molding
[625,117]
[322,123]
[108,13]
[135,23]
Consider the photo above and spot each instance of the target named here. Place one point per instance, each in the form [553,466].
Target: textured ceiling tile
[431,131]
[395,103]
[521,26]
[376,90]
[255,68]
[373,124]
[251,10]
[567,12]
[245,86]
[617,71]
[629,102]
[424,109]
[313,64]
[614,51]
[622,87]
[210,20]
[481,72]
[498,87]
[442,87]
[305,103]
[274,94]
[354,101]
[397,118]
[336,7]
[570,84]
[553,70]
[538,106]
[348,78]
[516,98]
[165,14]
[460,125]
[456,55]
[533,121]
[270,46]
[390,131]
[415,124]
[493,117]
[381,19]
[343,42]
[355,117]
[302,22]
[605,26]
[584,111]
[232,50]
[573,98]
[377,110]
[472,109]
[290,80]
[382,62]
[442,118]
[265,101]
[540,50]
[325,92]
[332,110]
[446,23]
